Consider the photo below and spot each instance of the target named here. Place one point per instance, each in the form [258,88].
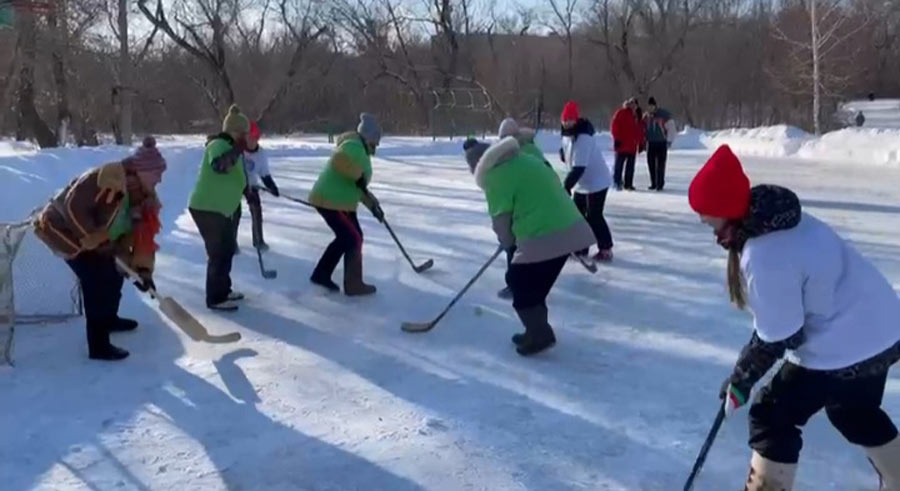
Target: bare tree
[830,24]
[305,25]
[562,25]
[202,29]
[652,31]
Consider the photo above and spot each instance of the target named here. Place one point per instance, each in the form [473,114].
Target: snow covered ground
[326,393]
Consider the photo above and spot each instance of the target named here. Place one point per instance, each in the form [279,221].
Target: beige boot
[886,460]
[766,475]
[353,277]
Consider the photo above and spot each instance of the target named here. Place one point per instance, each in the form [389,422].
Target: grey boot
[886,460]
[353,277]
[767,475]
[538,333]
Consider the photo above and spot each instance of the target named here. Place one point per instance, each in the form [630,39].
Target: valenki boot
[767,475]
[353,274]
[538,333]
[886,460]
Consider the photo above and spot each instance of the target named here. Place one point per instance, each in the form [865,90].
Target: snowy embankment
[327,393]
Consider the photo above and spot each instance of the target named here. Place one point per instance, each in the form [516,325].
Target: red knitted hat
[254,130]
[721,189]
[570,111]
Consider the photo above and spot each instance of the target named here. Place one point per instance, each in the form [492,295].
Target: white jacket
[808,277]
[585,152]
[257,165]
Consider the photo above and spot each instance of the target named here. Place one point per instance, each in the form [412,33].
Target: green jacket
[528,206]
[222,179]
[336,188]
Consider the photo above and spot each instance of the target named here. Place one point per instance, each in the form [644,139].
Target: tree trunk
[10,81]
[56,19]
[30,122]
[126,91]
[817,86]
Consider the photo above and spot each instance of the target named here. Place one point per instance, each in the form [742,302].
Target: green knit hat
[235,121]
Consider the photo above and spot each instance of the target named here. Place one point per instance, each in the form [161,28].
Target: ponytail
[735,279]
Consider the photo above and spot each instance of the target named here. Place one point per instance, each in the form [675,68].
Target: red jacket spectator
[627,133]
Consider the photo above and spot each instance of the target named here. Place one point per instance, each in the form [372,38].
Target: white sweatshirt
[257,166]
[586,153]
[808,277]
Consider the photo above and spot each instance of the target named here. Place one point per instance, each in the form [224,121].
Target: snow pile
[766,141]
[11,148]
[871,146]
[689,139]
[881,113]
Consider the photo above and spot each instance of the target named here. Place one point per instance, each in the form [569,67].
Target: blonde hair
[735,279]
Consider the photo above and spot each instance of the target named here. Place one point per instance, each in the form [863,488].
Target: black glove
[376,210]
[562,155]
[270,185]
[616,144]
[145,282]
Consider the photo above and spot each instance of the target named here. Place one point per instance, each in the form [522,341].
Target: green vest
[530,190]
[220,193]
[336,188]
[121,225]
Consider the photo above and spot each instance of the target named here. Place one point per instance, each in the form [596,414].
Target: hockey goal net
[35,286]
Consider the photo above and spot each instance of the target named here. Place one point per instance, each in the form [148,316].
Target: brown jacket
[85,209]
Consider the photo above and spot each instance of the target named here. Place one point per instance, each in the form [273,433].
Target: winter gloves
[370,200]
[572,178]
[145,282]
[755,360]
[223,163]
[270,185]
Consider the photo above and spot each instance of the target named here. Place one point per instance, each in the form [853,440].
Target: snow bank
[766,141]
[874,146]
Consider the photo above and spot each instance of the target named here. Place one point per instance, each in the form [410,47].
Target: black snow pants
[624,162]
[218,232]
[795,394]
[591,207]
[348,239]
[101,289]
[657,154]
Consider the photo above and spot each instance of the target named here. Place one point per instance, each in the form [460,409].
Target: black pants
[510,254]
[218,232]
[795,394]
[256,218]
[657,153]
[591,206]
[624,161]
[101,289]
[532,282]
[236,223]
[348,239]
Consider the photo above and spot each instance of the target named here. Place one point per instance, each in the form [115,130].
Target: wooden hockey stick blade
[424,266]
[190,325]
[417,326]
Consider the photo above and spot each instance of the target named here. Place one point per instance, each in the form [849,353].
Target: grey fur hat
[369,129]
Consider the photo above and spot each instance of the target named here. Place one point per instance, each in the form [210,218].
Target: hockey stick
[269,274]
[590,266]
[427,326]
[701,459]
[179,315]
[418,269]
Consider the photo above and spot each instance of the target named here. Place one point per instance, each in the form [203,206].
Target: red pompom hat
[570,112]
[721,189]
[254,130]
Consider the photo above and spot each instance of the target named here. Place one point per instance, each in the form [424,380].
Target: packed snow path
[326,393]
